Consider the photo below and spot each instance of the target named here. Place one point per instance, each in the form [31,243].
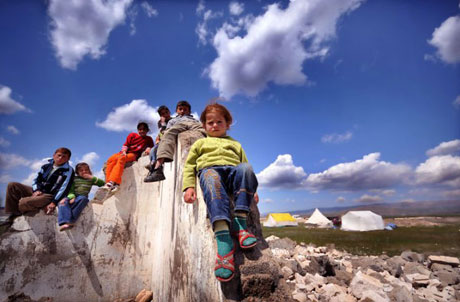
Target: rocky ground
[327,275]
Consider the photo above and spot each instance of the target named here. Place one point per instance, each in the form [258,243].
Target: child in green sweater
[71,207]
[223,169]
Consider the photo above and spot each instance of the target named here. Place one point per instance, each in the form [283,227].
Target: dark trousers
[19,199]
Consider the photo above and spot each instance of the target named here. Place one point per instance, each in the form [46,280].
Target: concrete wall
[144,236]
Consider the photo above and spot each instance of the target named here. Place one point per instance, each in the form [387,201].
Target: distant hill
[418,208]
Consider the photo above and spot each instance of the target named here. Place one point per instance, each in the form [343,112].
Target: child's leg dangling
[240,227]
[225,266]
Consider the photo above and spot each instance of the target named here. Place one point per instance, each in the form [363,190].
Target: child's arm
[188,183]
[98,182]
[190,195]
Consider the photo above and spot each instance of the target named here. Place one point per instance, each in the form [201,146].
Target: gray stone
[416,268]
[446,277]
[362,282]
[373,296]
[283,243]
[412,256]
[300,297]
[400,294]
[452,261]
[320,265]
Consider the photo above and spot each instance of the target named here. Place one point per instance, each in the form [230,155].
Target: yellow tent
[279,220]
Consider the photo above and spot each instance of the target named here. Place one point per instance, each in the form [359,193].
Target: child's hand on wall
[72,200]
[50,209]
[147,151]
[190,195]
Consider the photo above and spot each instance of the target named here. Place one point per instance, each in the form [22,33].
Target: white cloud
[149,10]
[445,39]
[266,200]
[369,198]
[340,199]
[10,160]
[236,8]
[445,148]
[13,129]
[337,138]
[456,102]
[7,104]
[202,28]
[281,174]
[89,158]
[363,174]
[36,165]
[126,117]
[5,178]
[4,142]
[30,179]
[80,28]
[443,169]
[453,194]
[273,49]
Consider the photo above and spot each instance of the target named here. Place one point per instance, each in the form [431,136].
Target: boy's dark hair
[184,103]
[215,107]
[143,124]
[82,164]
[64,150]
[161,108]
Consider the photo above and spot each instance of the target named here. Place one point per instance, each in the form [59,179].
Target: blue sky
[336,103]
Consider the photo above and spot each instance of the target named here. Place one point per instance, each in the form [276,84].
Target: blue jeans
[218,182]
[69,213]
[153,153]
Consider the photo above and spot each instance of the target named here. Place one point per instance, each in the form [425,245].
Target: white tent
[362,221]
[319,220]
[280,220]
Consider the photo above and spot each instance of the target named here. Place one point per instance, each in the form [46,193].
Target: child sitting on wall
[135,145]
[182,122]
[222,167]
[70,207]
[53,182]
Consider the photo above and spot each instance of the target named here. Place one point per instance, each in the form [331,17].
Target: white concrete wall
[144,236]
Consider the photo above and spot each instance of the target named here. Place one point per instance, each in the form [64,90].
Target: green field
[439,240]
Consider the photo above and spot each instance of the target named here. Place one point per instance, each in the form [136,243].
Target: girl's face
[82,170]
[216,125]
[142,131]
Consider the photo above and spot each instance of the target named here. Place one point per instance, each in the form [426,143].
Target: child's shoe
[101,194]
[156,175]
[245,238]
[224,269]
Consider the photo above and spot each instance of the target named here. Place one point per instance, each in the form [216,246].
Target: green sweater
[211,151]
[82,186]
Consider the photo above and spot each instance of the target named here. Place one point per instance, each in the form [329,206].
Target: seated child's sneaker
[156,175]
[66,226]
[101,194]
[245,238]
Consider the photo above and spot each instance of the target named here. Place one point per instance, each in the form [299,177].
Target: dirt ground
[422,221]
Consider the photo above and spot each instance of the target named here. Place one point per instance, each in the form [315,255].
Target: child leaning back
[222,167]
[70,208]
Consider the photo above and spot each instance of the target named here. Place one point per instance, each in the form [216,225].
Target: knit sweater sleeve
[244,159]
[71,194]
[98,182]
[188,180]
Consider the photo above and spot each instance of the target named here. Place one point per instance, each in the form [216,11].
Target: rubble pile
[321,274]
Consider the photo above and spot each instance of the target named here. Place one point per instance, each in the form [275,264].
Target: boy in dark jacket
[49,187]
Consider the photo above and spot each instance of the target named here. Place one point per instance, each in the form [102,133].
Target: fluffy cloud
[80,28]
[456,102]
[369,198]
[340,199]
[281,174]
[337,138]
[273,49]
[266,200]
[149,10]
[4,142]
[236,8]
[9,161]
[445,148]
[439,170]
[12,130]
[202,28]
[445,39]
[7,104]
[90,158]
[363,174]
[126,117]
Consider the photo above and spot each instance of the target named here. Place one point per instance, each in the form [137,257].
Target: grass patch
[439,240]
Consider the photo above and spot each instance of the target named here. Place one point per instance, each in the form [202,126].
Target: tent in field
[280,220]
[317,219]
[362,221]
